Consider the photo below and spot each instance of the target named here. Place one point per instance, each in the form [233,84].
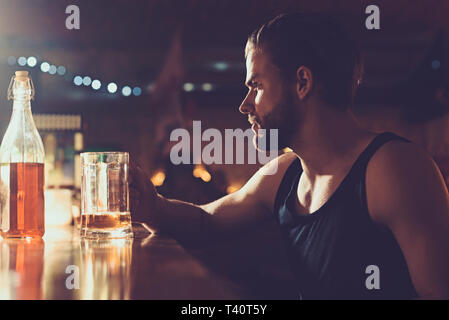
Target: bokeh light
[31,61]
[137,91]
[126,91]
[22,61]
[87,81]
[96,84]
[188,86]
[206,87]
[61,70]
[112,87]
[78,80]
[52,69]
[45,66]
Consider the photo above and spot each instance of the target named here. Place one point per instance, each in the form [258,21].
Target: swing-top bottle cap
[21,73]
[21,86]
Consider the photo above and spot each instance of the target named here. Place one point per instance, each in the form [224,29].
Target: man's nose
[247,105]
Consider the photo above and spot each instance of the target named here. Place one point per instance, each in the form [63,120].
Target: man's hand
[144,200]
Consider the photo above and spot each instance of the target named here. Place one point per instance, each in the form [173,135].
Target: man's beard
[283,118]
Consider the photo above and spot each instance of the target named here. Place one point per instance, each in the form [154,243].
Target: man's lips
[254,126]
[253,121]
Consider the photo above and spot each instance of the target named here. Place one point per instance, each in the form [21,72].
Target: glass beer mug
[104,195]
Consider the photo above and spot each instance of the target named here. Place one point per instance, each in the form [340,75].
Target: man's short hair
[318,42]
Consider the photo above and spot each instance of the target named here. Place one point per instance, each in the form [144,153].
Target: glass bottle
[21,166]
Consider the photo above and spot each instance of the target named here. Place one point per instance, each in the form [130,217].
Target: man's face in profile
[270,103]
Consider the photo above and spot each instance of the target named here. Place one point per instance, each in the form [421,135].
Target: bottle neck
[21,114]
[21,103]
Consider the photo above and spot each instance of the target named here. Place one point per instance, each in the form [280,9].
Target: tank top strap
[374,145]
[358,169]
[287,183]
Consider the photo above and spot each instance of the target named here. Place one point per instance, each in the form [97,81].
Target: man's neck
[329,142]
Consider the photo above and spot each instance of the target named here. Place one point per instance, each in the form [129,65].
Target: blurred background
[137,69]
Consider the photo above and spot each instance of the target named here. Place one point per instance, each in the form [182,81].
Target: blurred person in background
[421,109]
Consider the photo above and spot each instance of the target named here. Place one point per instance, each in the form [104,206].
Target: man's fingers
[132,163]
[138,177]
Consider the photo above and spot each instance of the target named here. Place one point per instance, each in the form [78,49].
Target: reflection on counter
[41,268]
[21,268]
[105,269]
[58,255]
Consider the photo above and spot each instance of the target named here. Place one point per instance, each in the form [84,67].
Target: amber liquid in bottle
[26,200]
[21,166]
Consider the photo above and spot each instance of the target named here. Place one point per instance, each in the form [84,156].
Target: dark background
[126,42]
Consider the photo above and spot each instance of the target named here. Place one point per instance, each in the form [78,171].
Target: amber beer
[26,199]
[110,221]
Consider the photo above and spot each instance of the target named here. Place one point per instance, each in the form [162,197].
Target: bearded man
[346,201]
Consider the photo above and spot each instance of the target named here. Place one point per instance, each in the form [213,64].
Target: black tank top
[333,250]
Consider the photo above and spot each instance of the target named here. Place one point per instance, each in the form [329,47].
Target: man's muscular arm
[406,192]
[227,216]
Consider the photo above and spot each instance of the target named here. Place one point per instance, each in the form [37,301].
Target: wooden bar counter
[64,266]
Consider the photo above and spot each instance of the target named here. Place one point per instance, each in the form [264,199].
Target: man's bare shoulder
[397,157]
[265,182]
[399,174]
[406,192]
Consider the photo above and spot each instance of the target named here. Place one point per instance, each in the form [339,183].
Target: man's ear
[304,82]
